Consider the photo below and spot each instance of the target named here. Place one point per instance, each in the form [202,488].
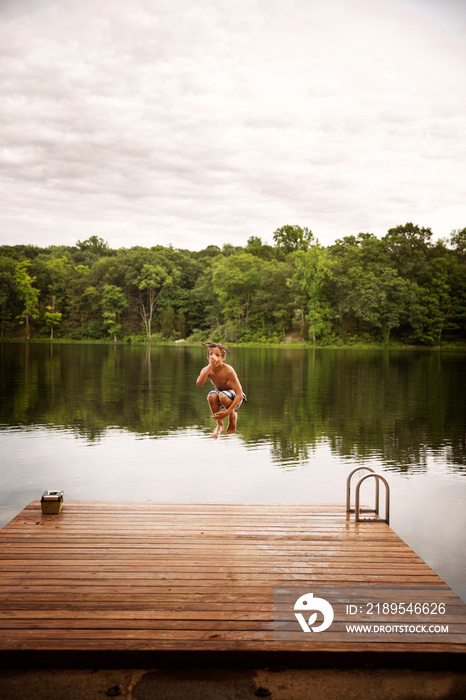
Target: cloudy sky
[193,122]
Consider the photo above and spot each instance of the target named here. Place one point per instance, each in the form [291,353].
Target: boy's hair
[209,344]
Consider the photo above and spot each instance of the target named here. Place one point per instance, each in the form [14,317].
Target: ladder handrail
[387,499]
[348,490]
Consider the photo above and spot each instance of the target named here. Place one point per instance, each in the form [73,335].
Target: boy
[228,393]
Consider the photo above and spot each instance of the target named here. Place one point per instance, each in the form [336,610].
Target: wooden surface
[176,576]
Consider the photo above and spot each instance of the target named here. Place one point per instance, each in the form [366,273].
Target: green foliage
[261,250]
[166,321]
[235,281]
[27,294]
[7,289]
[274,301]
[400,288]
[408,247]
[151,282]
[52,319]
[313,270]
[458,241]
[292,238]
[113,303]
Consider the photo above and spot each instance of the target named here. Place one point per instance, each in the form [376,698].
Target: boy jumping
[228,393]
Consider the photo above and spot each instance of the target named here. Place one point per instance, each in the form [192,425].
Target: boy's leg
[233,417]
[214,404]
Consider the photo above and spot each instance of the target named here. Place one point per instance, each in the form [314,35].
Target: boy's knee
[224,399]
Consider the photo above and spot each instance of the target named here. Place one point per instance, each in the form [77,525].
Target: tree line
[401,288]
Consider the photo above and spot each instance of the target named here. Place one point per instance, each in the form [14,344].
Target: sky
[198,122]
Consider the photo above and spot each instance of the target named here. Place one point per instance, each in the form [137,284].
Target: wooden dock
[106,576]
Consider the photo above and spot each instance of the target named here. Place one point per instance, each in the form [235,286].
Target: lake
[124,422]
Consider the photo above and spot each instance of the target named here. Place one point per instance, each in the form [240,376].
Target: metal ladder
[357,510]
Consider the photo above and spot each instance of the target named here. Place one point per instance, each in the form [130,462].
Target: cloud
[186,122]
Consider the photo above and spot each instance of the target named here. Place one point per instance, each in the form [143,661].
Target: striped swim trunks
[231,395]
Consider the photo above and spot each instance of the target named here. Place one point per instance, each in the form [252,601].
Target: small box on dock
[52,502]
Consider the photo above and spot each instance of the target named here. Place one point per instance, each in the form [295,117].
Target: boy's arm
[205,371]
[201,380]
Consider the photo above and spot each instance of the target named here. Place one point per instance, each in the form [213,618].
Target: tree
[313,269]
[59,273]
[181,326]
[79,281]
[7,281]
[458,241]
[292,238]
[113,303]
[166,321]
[206,310]
[437,301]
[261,250]
[52,319]
[236,280]
[409,248]
[96,245]
[28,294]
[151,283]
[347,261]
[370,286]
[92,309]
[91,250]
[392,299]
[274,302]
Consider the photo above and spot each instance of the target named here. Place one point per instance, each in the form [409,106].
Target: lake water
[129,423]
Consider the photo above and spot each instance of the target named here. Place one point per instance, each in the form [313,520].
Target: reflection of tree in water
[400,407]
[402,458]
[90,388]
[455,452]
[287,451]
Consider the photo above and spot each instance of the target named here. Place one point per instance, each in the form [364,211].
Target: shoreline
[449,347]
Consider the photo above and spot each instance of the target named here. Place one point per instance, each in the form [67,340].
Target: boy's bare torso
[223,377]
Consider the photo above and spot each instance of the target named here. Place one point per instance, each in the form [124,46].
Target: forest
[400,289]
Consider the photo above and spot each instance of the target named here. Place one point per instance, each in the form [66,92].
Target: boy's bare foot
[218,429]
[231,427]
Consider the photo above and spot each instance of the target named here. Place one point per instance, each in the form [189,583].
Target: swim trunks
[231,395]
